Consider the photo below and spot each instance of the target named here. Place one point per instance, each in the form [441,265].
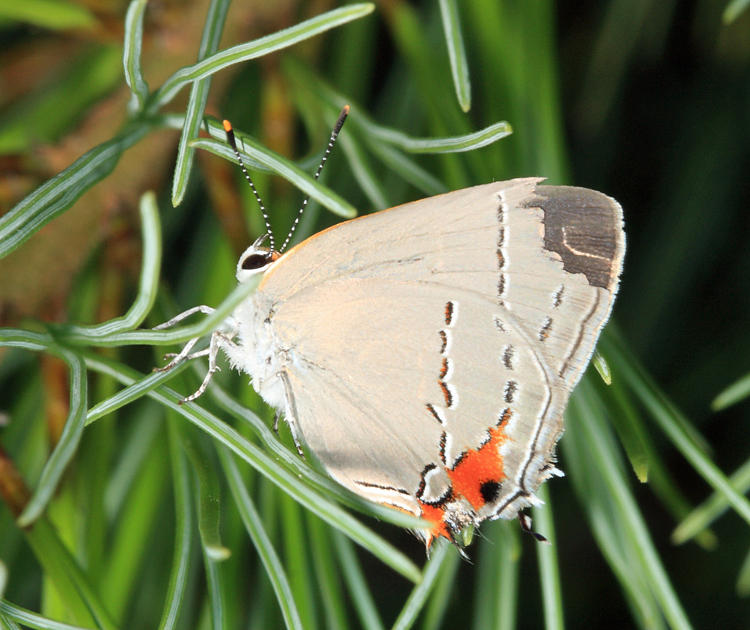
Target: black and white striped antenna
[331,141]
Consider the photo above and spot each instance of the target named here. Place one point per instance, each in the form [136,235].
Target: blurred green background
[645,100]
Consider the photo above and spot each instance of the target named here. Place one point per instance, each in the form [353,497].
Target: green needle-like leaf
[260,47]
[456,53]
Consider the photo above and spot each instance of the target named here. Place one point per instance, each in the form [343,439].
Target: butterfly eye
[256,261]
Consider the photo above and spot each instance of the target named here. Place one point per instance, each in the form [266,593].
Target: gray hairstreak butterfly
[425,354]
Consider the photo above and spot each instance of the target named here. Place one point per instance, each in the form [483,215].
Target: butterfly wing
[428,351]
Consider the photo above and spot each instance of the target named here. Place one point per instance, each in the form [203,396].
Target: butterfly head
[255,259]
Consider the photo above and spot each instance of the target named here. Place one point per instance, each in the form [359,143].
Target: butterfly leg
[185,352]
[219,340]
[180,356]
[206,310]
[191,356]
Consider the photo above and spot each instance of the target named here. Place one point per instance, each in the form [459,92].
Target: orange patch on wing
[434,515]
[479,466]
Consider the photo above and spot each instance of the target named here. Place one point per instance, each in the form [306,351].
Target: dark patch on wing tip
[443,440]
[584,227]
[443,341]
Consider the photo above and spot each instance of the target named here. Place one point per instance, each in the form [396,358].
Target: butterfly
[425,354]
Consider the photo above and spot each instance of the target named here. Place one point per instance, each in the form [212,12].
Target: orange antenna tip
[227,126]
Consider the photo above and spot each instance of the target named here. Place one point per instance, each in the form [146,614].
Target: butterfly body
[258,352]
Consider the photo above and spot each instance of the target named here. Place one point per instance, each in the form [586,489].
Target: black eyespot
[489,491]
[256,261]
